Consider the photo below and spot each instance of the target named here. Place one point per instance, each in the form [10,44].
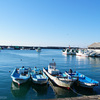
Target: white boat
[73,51]
[38,76]
[82,53]
[66,52]
[94,52]
[20,75]
[57,77]
[83,80]
[97,52]
[88,53]
[69,52]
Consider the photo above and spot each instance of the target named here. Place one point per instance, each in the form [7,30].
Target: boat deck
[39,76]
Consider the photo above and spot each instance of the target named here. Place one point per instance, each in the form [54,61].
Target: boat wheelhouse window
[72,50]
[21,71]
[68,50]
[70,71]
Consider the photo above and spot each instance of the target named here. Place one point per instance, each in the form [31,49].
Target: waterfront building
[95,45]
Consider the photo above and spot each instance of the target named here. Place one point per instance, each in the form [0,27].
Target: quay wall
[92,97]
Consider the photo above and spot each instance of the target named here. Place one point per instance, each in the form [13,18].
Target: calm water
[9,59]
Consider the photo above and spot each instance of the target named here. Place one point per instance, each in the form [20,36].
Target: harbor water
[10,59]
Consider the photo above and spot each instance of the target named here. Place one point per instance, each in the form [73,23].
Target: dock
[92,97]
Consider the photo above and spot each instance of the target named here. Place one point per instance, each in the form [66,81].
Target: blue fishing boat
[83,80]
[20,75]
[38,76]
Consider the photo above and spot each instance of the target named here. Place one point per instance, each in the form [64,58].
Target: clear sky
[49,22]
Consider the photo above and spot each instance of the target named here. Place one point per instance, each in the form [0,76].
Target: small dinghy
[20,75]
[38,76]
[57,77]
[83,80]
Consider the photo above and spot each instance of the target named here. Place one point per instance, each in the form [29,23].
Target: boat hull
[80,54]
[86,85]
[58,81]
[20,81]
[39,81]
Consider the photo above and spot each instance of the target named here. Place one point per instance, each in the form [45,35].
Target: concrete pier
[92,97]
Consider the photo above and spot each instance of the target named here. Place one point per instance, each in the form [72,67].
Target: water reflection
[94,60]
[61,92]
[69,58]
[20,91]
[81,60]
[40,89]
[84,91]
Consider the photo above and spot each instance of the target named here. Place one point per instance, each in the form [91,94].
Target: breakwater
[32,47]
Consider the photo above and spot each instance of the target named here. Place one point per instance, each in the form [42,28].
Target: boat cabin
[22,71]
[37,71]
[52,69]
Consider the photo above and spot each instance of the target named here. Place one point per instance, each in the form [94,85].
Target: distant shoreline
[32,47]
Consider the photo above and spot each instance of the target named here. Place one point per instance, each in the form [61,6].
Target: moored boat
[20,75]
[38,76]
[82,53]
[66,52]
[69,51]
[83,80]
[57,77]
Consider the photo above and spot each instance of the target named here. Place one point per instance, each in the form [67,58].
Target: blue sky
[49,22]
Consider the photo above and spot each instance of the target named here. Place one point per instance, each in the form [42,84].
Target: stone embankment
[93,97]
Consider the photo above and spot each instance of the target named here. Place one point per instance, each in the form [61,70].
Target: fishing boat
[92,54]
[38,76]
[66,52]
[20,75]
[83,80]
[82,53]
[69,52]
[57,77]
[86,53]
